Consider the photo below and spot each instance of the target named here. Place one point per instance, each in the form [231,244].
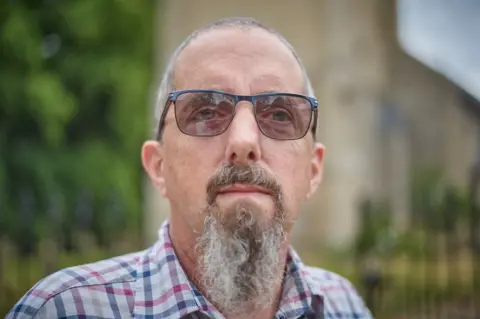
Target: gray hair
[167,83]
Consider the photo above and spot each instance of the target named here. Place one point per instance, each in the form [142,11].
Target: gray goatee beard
[239,259]
[240,248]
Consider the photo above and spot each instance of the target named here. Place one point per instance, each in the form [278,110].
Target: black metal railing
[432,269]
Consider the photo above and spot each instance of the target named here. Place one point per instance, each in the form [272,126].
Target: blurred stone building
[382,113]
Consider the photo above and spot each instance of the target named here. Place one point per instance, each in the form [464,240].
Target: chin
[247,217]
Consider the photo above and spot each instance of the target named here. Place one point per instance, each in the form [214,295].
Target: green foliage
[74,90]
[426,192]
[438,210]
[375,235]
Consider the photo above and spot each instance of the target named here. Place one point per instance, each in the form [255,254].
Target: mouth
[244,189]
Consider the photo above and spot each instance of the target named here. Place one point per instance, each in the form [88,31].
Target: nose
[243,137]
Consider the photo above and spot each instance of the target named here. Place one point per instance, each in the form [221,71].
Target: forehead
[239,61]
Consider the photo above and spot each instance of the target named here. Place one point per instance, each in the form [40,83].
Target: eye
[204,114]
[208,113]
[279,115]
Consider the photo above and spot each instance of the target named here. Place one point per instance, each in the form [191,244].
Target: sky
[445,36]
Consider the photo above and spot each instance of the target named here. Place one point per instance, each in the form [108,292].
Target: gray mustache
[231,174]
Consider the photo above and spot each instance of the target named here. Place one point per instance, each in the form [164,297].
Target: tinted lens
[204,113]
[283,117]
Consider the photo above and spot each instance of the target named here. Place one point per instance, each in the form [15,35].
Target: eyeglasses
[280,116]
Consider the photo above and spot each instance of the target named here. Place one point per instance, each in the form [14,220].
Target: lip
[244,189]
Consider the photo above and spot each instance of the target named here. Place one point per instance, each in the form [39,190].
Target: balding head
[167,83]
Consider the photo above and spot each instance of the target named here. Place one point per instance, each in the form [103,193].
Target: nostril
[251,156]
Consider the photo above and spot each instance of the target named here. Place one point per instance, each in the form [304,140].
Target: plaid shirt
[152,284]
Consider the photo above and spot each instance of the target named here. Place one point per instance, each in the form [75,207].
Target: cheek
[294,176]
[187,174]
[296,187]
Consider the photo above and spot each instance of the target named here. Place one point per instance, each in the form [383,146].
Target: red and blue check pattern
[152,284]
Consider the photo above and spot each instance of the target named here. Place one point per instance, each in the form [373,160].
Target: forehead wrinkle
[212,77]
[208,52]
[268,83]
[211,81]
[204,74]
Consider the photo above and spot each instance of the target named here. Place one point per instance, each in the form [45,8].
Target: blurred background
[399,90]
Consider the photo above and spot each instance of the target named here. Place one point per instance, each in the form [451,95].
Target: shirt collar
[163,288]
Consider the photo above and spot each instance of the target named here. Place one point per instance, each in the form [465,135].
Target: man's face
[239,191]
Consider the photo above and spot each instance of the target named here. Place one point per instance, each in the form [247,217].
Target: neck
[184,239]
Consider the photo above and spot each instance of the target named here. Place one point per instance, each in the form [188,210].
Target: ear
[316,168]
[152,160]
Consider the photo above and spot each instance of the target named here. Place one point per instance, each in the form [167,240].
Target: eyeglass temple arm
[314,125]
[162,119]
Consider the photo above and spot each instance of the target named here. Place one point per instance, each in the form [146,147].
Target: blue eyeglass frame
[172,97]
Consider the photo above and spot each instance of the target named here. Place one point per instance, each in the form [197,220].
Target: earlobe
[152,160]
[316,168]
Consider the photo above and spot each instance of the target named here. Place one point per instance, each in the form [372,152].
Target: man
[235,155]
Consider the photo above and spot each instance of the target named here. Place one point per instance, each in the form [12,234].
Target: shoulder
[105,286]
[339,294]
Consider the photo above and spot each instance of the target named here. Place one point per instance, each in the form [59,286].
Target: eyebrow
[270,91]
[230,90]
[224,89]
